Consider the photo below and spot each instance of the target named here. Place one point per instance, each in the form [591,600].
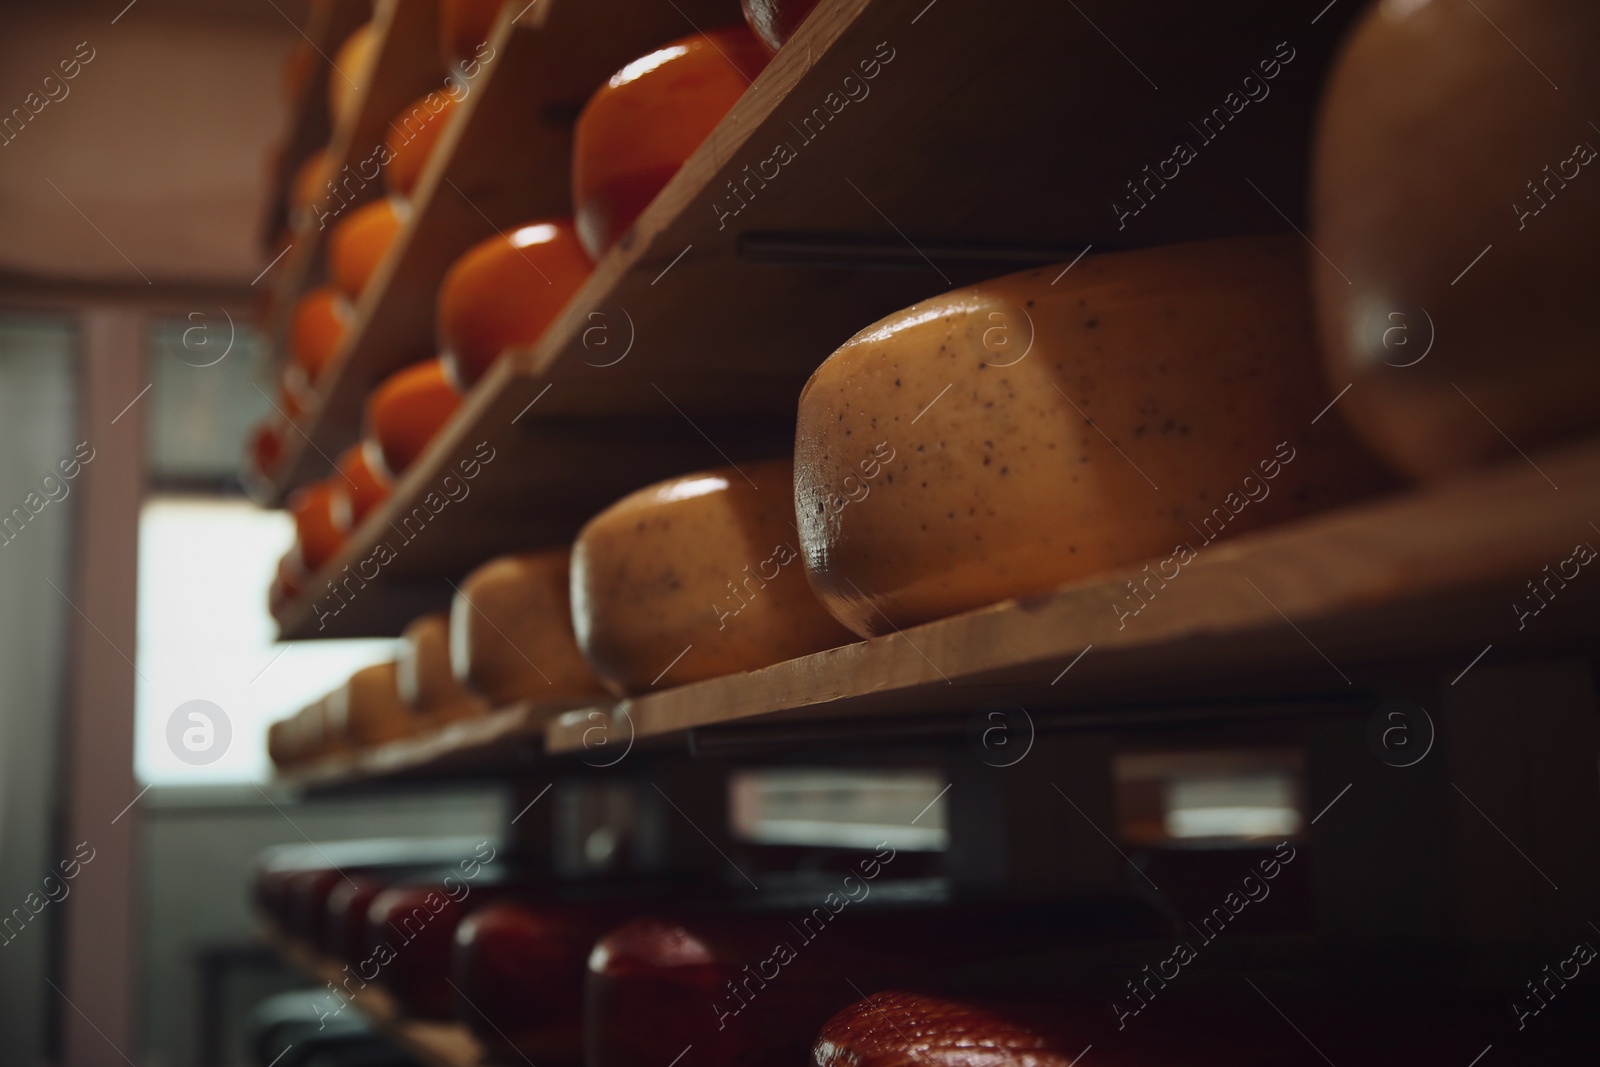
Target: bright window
[205,634]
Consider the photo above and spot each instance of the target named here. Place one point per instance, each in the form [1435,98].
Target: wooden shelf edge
[1424,571]
[503,740]
[436,1044]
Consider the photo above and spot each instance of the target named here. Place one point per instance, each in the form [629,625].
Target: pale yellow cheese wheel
[1046,426]
[367,710]
[423,676]
[511,632]
[302,737]
[694,578]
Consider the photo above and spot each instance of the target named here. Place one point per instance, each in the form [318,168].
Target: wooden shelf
[436,1044]
[993,139]
[1430,573]
[502,742]
[309,129]
[405,67]
[504,160]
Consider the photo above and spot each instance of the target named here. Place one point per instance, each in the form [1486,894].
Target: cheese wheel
[321,522]
[641,126]
[774,21]
[367,710]
[352,67]
[407,409]
[321,319]
[463,26]
[417,925]
[1451,195]
[308,188]
[519,975]
[346,923]
[363,480]
[264,448]
[297,68]
[423,677]
[357,244]
[511,632]
[412,135]
[696,577]
[289,581]
[1046,427]
[504,291]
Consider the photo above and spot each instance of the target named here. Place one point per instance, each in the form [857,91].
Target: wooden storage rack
[992,140]
[689,344]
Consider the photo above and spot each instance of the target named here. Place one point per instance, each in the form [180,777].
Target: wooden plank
[504,160]
[406,66]
[329,24]
[1433,571]
[436,1044]
[503,741]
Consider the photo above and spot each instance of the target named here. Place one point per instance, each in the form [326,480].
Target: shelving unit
[434,1044]
[981,141]
[672,344]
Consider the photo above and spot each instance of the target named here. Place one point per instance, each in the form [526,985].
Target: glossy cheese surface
[358,243]
[641,126]
[352,65]
[1454,194]
[321,319]
[367,710]
[406,411]
[464,25]
[504,291]
[423,676]
[321,522]
[696,577]
[412,136]
[362,479]
[774,21]
[511,632]
[1045,427]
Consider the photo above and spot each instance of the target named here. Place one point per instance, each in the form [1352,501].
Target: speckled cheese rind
[511,632]
[694,578]
[1043,427]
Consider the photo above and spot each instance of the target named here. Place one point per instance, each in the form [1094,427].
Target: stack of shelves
[981,141]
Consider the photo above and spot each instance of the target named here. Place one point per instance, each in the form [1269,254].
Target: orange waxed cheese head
[412,135]
[265,448]
[1005,438]
[641,126]
[308,188]
[707,560]
[352,65]
[321,318]
[464,25]
[362,479]
[504,291]
[321,522]
[407,409]
[357,244]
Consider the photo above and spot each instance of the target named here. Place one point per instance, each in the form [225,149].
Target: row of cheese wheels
[991,443]
[522,962]
[630,140]
[837,971]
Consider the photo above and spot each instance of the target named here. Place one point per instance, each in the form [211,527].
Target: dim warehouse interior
[799,533]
